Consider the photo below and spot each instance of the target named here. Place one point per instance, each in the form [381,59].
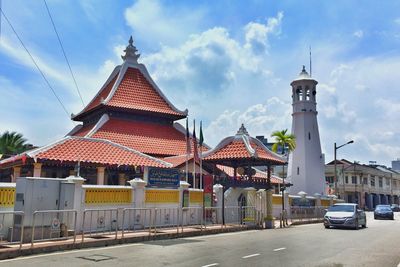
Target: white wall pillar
[78,200]
[16,173]
[219,194]
[138,191]
[37,169]
[287,203]
[100,175]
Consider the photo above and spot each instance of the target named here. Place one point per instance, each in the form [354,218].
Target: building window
[380,182]
[309,136]
[298,170]
[372,180]
[387,182]
[347,179]
[354,179]
[365,180]
[329,179]
[394,184]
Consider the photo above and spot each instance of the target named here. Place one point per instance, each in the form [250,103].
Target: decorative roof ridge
[103,119]
[251,150]
[109,79]
[223,143]
[167,164]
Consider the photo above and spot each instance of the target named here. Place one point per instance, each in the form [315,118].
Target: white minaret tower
[306,162]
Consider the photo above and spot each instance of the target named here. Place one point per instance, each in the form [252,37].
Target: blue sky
[228,62]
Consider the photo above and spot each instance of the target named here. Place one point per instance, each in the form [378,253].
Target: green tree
[284,140]
[12,143]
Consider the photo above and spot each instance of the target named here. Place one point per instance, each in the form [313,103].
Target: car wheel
[393,217]
[326,226]
[357,225]
[365,224]
[374,217]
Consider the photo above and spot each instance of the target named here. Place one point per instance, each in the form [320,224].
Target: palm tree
[284,140]
[12,143]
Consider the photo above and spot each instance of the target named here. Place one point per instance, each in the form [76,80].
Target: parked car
[395,207]
[383,212]
[346,215]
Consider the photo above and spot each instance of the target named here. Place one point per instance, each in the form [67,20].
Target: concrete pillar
[370,201]
[287,203]
[139,192]
[250,196]
[100,175]
[78,199]
[71,172]
[37,169]
[219,194]
[121,179]
[269,217]
[16,174]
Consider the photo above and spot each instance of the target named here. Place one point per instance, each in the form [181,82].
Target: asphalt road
[306,245]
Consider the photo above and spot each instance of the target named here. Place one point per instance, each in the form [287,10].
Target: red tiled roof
[136,92]
[242,147]
[84,130]
[146,137]
[97,100]
[95,151]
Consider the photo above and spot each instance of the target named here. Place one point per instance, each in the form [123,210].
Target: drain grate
[97,257]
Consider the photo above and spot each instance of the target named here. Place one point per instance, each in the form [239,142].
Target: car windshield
[346,208]
[383,208]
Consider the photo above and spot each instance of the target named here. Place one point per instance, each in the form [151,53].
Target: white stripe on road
[278,249]
[212,264]
[71,251]
[249,256]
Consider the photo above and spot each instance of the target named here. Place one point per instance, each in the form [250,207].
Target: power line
[34,62]
[65,55]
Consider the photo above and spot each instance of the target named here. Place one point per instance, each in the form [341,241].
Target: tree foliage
[12,143]
[284,140]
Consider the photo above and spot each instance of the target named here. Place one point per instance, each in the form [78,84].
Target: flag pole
[187,151]
[194,151]
[201,155]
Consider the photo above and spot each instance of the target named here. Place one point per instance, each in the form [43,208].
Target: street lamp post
[335,149]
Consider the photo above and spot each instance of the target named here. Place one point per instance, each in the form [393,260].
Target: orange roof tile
[136,92]
[147,137]
[95,151]
[102,95]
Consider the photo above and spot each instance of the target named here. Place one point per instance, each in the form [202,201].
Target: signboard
[158,177]
[208,190]
[185,202]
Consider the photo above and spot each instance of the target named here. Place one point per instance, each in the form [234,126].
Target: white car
[346,215]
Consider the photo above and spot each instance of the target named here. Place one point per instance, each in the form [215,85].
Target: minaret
[306,162]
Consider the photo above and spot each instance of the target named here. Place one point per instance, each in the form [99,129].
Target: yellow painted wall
[196,197]
[108,195]
[162,196]
[7,195]
[276,200]
[325,202]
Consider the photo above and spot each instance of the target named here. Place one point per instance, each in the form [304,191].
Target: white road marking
[252,255]
[72,251]
[212,264]
[278,249]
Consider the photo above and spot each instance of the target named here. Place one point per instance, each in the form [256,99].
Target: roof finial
[242,130]
[130,52]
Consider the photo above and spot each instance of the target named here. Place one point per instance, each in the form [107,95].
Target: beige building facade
[367,185]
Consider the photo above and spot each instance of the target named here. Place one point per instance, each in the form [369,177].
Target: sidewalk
[99,240]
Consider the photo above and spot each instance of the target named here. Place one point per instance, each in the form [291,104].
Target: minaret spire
[130,52]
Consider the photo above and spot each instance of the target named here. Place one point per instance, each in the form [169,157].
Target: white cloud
[157,24]
[359,34]
[256,34]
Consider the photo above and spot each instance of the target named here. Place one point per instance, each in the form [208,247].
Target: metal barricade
[232,215]
[192,216]
[11,228]
[53,225]
[166,218]
[99,222]
[136,219]
[249,215]
[213,216]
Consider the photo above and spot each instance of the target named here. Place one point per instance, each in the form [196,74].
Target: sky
[227,62]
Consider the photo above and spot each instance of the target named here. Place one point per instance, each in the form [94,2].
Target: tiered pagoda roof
[131,89]
[241,149]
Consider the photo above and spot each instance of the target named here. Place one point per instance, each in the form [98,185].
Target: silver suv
[345,215]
